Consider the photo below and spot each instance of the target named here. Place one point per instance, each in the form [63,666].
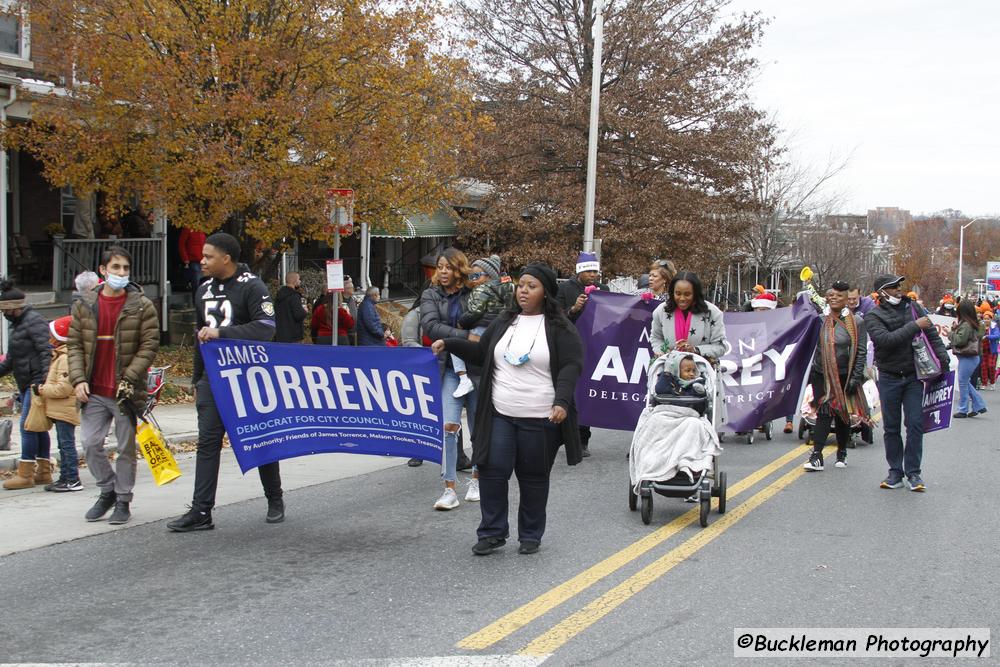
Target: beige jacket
[60,401]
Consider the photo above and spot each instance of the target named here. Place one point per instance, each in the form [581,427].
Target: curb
[9,458]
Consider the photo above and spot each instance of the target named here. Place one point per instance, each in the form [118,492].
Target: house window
[10,34]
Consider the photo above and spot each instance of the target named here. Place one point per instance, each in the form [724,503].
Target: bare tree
[675,122]
[784,196]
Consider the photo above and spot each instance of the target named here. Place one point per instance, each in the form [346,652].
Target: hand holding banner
[281,400]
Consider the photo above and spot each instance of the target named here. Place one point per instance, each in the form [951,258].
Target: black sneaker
[105,502]
[63,486]
[815,462]
[528,547]
[488,545]
[193,520]
[121,514]
[959,415]
[841,459]
[585,451]
[275,511]
[464,463]
[415,463]
[982,412]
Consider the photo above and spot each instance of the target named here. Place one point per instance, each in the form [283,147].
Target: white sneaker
[472,495]
[447,501]
[465,386]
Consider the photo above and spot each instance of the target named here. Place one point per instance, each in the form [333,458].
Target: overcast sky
[912,87]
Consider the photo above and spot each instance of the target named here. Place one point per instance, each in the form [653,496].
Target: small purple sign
[939,395]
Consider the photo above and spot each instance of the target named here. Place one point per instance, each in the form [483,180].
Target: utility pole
[595,105]
[961,248]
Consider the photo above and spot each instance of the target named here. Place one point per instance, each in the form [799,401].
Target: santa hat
[60,328]
[587,261]
[765,300]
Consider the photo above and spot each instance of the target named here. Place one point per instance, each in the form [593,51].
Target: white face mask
[893,300]
[117,282]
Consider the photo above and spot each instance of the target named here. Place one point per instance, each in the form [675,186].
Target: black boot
[275,511]
[105,501]
[121,514]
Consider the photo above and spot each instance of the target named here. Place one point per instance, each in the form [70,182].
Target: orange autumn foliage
[248,110]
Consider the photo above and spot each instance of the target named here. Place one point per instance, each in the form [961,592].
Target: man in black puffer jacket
[892,327]
[28,357]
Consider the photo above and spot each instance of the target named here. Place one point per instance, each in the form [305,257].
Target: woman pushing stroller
[837,376]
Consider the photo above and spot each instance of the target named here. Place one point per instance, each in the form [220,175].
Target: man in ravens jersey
[234,303]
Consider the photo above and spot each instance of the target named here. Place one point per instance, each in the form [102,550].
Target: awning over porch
[418,225]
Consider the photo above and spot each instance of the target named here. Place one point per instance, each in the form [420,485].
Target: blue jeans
[33,445]
[902,396]
[69,464]
[525,447]
[453,415]
[966,367]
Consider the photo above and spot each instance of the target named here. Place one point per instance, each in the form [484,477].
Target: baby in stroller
[684,381]
[675,434]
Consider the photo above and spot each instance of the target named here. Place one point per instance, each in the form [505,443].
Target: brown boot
[43,473]
[25,477]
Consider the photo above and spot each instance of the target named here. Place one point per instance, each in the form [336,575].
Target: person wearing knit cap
[947,306]
[28,358]
[489,298]
[61,408]
[573,296]
[531,358]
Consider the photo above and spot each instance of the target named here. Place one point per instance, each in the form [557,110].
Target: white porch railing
[71,256]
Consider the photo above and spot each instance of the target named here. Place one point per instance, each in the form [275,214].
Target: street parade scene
[500,333]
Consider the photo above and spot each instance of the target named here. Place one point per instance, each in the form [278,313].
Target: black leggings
[825,420]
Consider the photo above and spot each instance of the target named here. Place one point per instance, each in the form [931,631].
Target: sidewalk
[179,423]
[34,518]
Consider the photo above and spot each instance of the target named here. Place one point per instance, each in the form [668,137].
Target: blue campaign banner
[280,400]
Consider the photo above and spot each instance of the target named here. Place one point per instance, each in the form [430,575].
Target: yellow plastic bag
[161,462]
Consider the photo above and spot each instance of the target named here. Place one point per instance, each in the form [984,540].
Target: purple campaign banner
[281,400]
[611,391]
[937,403]
[768,360]
[762,373]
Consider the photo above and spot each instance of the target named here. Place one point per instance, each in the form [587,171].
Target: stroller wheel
[767,430]
[647,508]
[802,429]
[706,506]
[750,437]
[721,488]
[633,500]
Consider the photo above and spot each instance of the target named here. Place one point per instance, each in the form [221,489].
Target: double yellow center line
[548,642]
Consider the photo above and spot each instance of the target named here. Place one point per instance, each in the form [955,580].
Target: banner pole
[335,317]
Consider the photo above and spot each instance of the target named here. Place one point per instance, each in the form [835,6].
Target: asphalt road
[364,571]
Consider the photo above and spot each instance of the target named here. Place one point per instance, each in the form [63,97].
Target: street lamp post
[595,104]
[961,248]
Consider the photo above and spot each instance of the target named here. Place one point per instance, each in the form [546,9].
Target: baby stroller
[675,445]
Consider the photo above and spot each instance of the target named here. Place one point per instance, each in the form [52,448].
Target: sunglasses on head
[476,276]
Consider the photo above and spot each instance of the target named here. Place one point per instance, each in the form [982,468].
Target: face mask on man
[117,282]
[892,300]
[9,316]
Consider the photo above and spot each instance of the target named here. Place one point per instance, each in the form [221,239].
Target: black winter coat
[565,358]
[569,292]
[892,330]
[28,351]
[435,322]
[289,314]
